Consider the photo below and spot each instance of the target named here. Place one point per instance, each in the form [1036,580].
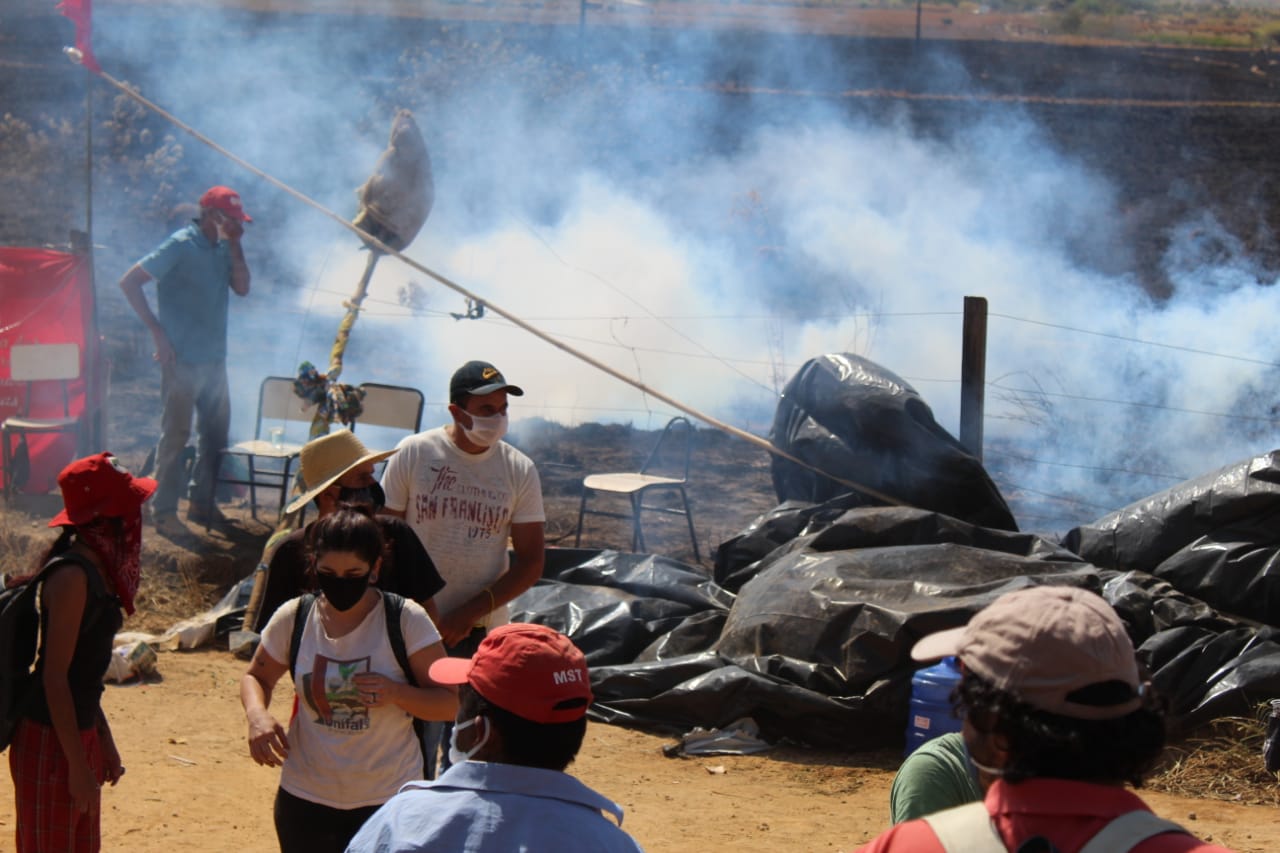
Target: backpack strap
[966,829]
[394,604]
[1128,831]
[300,616]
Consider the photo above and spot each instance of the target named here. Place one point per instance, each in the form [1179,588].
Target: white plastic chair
[666,469]
[270,462]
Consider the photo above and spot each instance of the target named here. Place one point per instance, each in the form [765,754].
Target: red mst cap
[99,486]
[226,200]
[530,670]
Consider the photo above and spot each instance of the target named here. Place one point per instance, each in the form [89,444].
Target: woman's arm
[112,766]
[432,702]
[268,741]
[64,595]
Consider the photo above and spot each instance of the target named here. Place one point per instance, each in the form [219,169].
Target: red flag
[80,13]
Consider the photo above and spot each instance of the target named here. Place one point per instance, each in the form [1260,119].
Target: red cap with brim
[530,670]
[226,200]
[99,486]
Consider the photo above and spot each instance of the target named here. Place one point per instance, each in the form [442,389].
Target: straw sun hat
[326,459]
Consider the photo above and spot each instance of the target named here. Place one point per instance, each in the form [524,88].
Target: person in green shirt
[936,776]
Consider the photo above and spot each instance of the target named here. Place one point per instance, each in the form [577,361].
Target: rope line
[374,242]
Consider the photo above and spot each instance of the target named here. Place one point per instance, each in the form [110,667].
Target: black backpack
[392,604]
[19,638]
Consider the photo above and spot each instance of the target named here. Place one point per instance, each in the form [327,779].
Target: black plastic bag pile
[807,623]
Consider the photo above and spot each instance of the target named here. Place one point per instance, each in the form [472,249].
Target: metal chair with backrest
[34,364]
[665,469]
[391,407]
[270,460]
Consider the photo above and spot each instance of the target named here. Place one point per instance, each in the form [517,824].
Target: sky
[708,245]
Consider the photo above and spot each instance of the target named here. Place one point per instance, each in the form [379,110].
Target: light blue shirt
[483,807]
[193,281]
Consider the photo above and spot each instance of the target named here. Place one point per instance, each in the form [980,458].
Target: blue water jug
[930,711]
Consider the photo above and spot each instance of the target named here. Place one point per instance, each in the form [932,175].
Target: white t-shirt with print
[342,753]
[462,506]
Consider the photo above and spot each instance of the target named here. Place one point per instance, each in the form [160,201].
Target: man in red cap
[193,270]
[1057,713]
[521,720]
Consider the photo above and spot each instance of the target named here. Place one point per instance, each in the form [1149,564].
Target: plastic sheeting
[1216,537]
[815,647]
[860,422]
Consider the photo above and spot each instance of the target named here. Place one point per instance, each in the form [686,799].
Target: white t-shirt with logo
[462,506]
[342,753]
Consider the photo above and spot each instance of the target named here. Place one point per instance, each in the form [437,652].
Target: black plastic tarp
[815,646]
[849,417]
[1215,537]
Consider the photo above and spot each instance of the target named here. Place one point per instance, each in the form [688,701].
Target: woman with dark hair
[351,743]
[62,749]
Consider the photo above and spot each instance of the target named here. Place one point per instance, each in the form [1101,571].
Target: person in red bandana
[62,750]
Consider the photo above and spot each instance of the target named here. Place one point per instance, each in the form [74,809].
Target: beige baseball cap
[1043,644]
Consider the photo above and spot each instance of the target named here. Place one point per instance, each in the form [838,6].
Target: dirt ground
[190,784]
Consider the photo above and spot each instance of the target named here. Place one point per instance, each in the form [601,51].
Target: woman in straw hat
[62,750]
[351,743]
[338,468]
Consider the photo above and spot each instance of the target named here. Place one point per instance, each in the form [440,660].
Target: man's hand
[454,627]
[232,229]
[164,350]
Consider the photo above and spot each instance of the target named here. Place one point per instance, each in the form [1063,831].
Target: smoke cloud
[707,243]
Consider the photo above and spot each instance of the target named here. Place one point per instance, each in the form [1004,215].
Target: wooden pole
[973,374]
[320,423]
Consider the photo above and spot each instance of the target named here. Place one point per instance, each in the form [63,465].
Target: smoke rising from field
[708,244]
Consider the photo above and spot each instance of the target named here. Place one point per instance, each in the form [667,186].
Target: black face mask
[345,592]
[370,496]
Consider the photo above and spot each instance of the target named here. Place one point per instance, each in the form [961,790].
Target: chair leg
[693,537]
[253,488]
[582,508]
[284,488]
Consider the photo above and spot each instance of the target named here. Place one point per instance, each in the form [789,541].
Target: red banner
[80,13]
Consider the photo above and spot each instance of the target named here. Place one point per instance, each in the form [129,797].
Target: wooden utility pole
[973,374]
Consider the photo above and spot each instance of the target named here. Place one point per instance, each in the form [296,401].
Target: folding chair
[666,468]
[390,408]
[33,364]
[270,462]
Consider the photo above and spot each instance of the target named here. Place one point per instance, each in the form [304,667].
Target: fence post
[973,374]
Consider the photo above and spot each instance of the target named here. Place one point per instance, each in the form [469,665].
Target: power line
[1132,340]
[1103,468]
[550,249]
[1063,498]
[1036,392]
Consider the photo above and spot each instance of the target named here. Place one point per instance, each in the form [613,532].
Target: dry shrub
[1222,760]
